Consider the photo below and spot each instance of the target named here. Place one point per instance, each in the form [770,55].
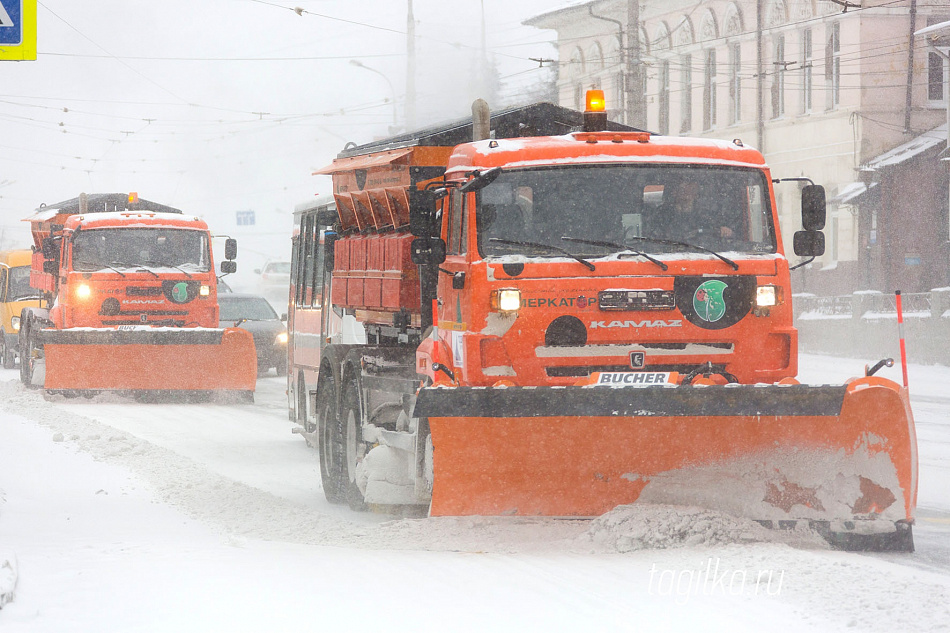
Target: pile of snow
[8,573]
[643,526]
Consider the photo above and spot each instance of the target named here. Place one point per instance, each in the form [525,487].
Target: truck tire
[7,354]
[331,449]
[351,438]
[27,347]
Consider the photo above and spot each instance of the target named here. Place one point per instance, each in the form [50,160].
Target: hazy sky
[223,105]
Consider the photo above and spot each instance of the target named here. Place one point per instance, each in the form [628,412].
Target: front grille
[153,322]
[636,300]
[143,291]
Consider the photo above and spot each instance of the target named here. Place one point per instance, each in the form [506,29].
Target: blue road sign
[11,22]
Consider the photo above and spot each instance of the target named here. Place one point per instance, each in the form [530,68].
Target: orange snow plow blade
[843,458]
[150,359]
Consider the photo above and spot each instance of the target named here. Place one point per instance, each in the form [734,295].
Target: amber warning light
[595,114]
[133,198]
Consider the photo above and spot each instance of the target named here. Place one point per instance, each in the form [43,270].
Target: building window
[244,218]
[709,90]
[686,94]
[778,77]
[935,78]
[735,83]
[833,65]
[806,71]
[664,109]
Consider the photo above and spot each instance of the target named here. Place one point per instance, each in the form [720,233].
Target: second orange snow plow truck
[561,323]
[130,303]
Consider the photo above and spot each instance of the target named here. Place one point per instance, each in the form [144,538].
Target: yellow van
[15,294]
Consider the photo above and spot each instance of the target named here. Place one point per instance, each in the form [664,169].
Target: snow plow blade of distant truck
[149,359]
[843,458]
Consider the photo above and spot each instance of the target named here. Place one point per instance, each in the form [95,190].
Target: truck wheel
[331,449]
[27,351]
[350,429]
[7,354]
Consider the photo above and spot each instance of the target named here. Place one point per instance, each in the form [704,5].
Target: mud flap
[769,452]
[149,359]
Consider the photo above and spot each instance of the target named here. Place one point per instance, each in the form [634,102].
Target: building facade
[823,88]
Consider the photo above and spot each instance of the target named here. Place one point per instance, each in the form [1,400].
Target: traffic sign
[17,29]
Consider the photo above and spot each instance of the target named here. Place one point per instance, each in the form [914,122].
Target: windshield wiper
[622,247]
[151,263]
[137,268]
[556,249]
[113,268]
[655,240]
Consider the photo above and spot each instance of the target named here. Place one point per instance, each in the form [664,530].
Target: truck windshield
[97,249]
[718,208]
[19,287]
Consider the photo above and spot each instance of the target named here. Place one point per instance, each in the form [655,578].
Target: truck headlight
[506,300]
[15,323]
[204,290]
[768,296]
[83,291]
[281,338]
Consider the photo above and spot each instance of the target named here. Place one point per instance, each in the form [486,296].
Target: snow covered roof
[910,149]
[850,192]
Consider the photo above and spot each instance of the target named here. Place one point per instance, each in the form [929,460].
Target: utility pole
[636,110]
[410,69]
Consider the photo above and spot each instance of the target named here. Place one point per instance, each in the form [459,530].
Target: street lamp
[359,64]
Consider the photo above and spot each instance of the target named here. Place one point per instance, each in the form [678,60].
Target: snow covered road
[123,516]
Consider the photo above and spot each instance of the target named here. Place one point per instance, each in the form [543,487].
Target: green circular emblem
[708,301]
[180,292]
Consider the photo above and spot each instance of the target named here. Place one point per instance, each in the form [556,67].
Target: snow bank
[644,526]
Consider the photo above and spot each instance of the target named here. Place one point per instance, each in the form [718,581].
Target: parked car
[15,294]
[274,282]
[255,314]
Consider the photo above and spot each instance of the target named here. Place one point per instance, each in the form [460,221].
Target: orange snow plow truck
[582,317]
[129,303]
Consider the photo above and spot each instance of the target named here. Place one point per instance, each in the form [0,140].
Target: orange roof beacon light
[133,197]
[595,112]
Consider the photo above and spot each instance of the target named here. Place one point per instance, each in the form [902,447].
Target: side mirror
[481,180]
[283,316]
[50,248]
[813,207]
[424,251]
[230,248]
[50,267]
[229,266]
[422,211]
[257,271]
[809,243]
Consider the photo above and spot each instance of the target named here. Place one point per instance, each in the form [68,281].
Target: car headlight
[15,323]
[506,300]
[281,339]
[768,296]
[83,291]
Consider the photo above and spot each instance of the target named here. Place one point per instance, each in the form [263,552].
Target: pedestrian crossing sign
[17,29]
